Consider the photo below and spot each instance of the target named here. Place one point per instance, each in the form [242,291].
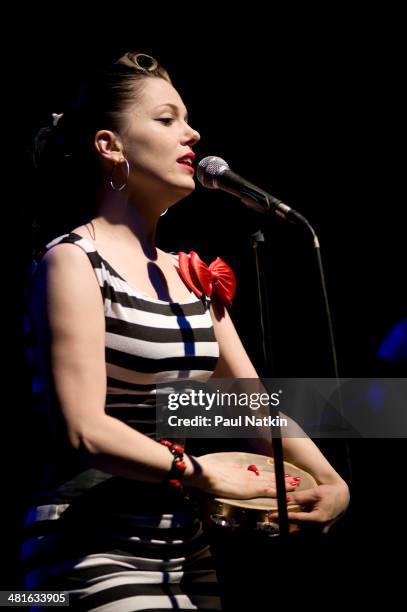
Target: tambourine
[252,513]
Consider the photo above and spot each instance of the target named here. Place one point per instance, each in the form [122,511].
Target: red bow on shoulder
[217,278]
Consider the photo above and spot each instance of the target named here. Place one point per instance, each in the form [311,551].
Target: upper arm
[233,362]
[68,315]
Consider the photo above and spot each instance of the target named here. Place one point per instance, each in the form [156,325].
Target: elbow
[75,439]
[83,440]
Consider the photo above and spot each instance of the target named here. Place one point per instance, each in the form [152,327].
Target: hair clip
[56,118]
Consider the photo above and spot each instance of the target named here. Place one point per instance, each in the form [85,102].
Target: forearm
[305,454]
[299,449]
[114,447]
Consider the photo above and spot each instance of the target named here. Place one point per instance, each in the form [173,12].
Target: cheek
[152,151]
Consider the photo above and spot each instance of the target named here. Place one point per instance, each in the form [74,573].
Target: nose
[192,136]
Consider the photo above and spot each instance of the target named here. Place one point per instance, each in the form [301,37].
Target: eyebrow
[174,107]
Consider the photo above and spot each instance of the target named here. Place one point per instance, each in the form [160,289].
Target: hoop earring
[112,185]
[163,213]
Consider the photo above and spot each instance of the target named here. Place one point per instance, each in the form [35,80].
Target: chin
[186,188]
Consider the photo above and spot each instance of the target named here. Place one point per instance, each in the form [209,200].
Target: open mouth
[186,163]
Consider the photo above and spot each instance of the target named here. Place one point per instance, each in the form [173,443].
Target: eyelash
[166,120]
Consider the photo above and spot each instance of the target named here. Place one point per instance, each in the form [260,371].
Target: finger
[300,517]
[315,516]
[290,485]
[307,497]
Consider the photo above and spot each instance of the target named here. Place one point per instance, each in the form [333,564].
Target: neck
[128,221]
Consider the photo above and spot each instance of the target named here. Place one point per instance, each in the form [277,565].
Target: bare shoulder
[65,277]
[218,310]
[67,260]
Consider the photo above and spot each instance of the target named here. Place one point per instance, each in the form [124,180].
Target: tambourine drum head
[264,464]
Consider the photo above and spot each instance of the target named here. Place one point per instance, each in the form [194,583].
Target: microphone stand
[261,259]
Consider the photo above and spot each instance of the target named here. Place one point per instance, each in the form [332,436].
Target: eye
[166,120]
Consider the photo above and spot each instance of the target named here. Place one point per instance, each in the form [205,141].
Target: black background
[308,105]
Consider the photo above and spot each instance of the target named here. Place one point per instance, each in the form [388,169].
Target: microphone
[214,173]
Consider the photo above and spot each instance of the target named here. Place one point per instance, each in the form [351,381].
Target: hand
[235,481]
[323,504]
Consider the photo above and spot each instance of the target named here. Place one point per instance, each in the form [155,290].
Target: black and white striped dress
[113,543]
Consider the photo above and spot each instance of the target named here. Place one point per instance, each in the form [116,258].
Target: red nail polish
[254,468]
[175,483]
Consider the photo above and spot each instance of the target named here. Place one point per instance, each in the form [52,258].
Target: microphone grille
[209,168]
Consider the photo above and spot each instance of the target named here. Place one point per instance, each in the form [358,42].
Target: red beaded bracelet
[178,467]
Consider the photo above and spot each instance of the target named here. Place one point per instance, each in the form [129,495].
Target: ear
[109,145]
